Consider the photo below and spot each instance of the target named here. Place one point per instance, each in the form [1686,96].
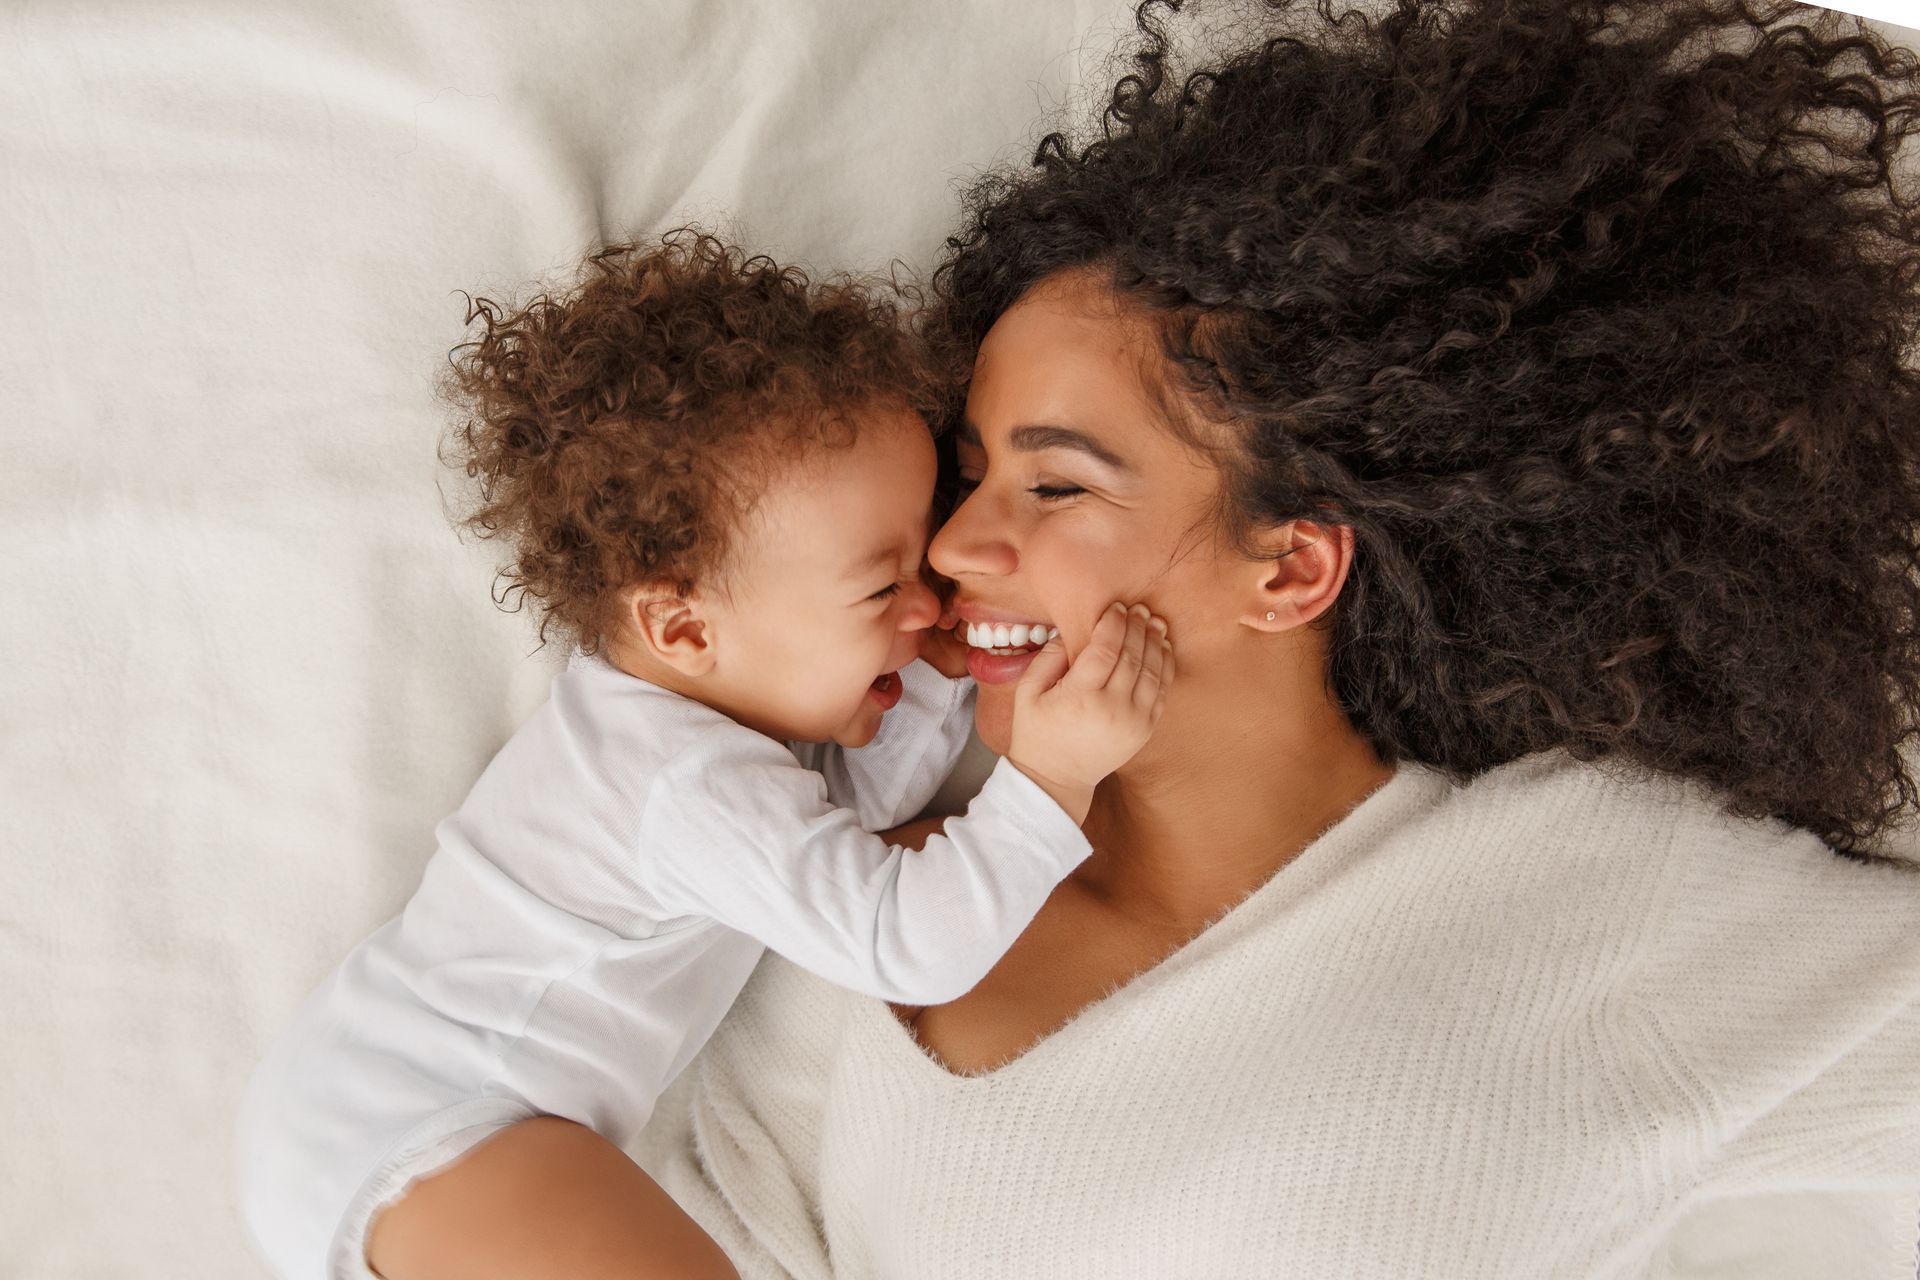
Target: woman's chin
[993,717]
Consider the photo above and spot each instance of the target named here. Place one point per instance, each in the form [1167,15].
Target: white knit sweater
[1515,1029]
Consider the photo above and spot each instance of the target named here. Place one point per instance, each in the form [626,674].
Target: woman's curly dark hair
[1592,319]
[619,433]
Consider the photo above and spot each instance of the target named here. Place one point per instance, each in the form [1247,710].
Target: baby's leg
[545,1198]
[680,1249]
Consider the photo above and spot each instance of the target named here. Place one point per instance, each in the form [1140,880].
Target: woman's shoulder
[1779,981]
[1724,896]
[1744,972]
[1736,936]
[1734,882]
[1609,812]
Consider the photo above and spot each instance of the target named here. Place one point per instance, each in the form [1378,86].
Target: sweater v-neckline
[1411,788]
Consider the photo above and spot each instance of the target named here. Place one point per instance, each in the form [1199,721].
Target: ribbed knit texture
[1513,1029]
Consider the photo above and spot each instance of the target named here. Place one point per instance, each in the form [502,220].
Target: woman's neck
[1225,794]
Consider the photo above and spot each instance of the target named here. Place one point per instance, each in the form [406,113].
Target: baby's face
[828,595]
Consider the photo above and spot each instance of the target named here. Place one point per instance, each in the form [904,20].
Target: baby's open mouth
[887,689]
[1003,640]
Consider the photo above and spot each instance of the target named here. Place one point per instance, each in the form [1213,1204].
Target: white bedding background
[245,664]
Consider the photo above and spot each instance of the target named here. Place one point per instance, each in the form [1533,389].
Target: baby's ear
[667,627]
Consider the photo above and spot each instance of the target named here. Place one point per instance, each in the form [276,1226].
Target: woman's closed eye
[1044,492]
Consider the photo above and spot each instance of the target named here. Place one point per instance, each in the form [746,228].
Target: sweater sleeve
[754,842]
[891,779]
[1786,981]
[1851,1123]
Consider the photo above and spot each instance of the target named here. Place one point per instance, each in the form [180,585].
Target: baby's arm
[761,849]
[753,841]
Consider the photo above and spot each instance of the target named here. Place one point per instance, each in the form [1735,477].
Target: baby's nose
[922,610]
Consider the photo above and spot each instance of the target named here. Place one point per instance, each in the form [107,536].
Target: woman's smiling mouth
[1002,639]
[999,645]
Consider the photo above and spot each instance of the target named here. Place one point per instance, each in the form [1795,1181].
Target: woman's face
[1075,495]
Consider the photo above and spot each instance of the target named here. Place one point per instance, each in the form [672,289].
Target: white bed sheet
[246,663]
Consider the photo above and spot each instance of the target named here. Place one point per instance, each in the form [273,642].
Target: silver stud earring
[1269,615]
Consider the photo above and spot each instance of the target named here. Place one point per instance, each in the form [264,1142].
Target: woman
[1508,406]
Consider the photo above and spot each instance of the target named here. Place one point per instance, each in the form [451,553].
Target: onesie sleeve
[891,779]
[754,842]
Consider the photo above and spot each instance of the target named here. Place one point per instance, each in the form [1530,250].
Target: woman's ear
[668,627]
[1302,576]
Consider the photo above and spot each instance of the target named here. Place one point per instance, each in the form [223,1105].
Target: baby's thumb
[1046,668]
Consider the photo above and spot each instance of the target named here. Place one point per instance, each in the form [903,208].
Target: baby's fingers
[1045,669]
[1156,667]
[1094,667]
[1133,645]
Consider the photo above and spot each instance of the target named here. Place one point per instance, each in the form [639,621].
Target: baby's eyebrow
[1035,438]
[884,556]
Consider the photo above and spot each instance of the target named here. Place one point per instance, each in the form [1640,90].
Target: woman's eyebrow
[1033,439]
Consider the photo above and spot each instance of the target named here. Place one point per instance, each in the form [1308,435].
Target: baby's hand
[1072,728]
[942,650]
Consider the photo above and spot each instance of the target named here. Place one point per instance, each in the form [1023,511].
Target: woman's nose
[969,542]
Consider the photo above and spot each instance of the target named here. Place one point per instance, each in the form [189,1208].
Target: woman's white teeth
[984,635]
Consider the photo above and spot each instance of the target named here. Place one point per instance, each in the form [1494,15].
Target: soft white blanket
[246,664]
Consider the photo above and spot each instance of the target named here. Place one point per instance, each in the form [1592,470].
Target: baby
[716,480]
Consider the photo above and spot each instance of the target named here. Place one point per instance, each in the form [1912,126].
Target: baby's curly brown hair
[1595,320]
[620,433]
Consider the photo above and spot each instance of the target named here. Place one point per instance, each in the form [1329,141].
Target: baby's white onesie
[592,910]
